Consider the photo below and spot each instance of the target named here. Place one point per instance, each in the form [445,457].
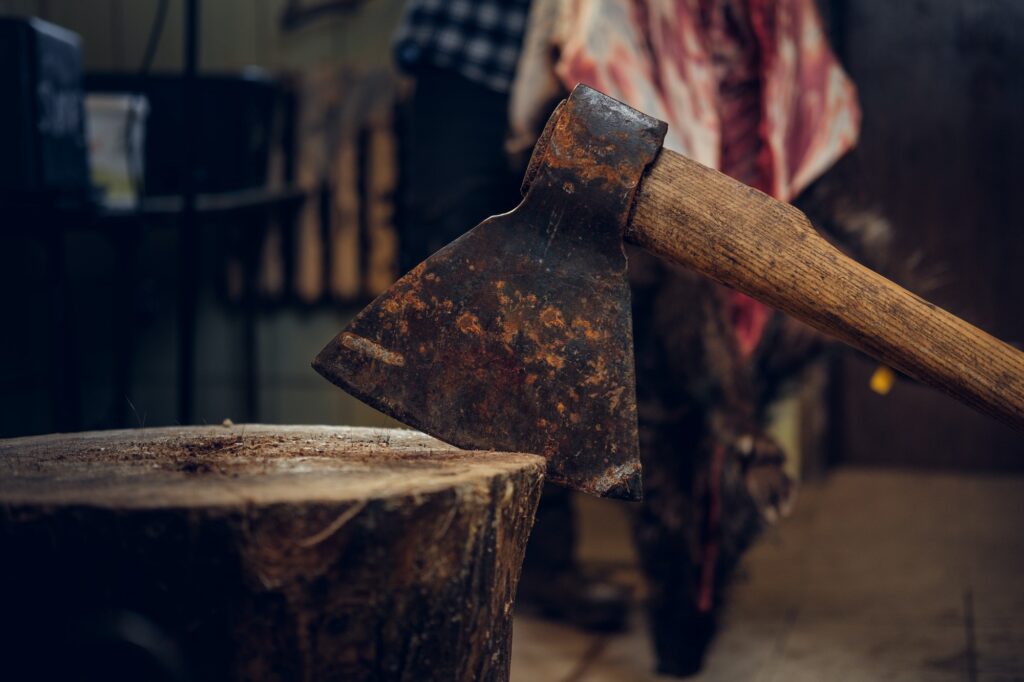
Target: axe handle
[740,237]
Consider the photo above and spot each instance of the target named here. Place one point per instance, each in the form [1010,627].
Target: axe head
[518,335]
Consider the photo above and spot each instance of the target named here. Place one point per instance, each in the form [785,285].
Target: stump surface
[262,552]
[251,464]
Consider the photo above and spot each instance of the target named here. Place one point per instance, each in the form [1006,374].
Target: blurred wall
[235,34]
[942,88]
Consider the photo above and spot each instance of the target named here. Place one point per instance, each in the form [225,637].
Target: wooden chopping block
[259,553]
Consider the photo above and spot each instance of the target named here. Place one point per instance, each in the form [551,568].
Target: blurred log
[259,553]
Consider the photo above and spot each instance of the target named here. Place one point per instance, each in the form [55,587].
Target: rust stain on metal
[503,299]
[588,330]
[552,317]
[468,323]
[518,335]
[554,360]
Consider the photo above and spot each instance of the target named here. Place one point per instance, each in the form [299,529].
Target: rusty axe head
[518,335]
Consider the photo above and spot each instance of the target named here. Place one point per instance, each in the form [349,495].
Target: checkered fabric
[479,39]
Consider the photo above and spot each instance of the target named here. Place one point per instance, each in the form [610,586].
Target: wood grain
[261,553]
[736,235]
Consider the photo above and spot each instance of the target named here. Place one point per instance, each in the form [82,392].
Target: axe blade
[518,335]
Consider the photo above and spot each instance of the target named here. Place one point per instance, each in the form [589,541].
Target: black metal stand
[188,244]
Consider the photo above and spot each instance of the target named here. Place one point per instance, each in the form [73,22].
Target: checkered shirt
[479,39]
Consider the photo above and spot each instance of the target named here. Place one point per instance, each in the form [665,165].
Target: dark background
[942,89]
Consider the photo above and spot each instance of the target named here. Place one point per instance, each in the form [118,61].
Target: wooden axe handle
[736,235]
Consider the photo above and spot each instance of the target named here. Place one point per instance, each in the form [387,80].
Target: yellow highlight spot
[882,380]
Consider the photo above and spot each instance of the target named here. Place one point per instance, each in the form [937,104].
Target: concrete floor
[878,575]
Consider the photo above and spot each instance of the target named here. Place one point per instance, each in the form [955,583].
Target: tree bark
[260,553]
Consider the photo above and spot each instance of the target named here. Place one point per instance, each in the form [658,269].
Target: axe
[517,336]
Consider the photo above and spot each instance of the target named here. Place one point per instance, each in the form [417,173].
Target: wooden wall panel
[942,154]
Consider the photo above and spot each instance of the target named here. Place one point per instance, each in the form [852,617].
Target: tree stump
[259,553]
